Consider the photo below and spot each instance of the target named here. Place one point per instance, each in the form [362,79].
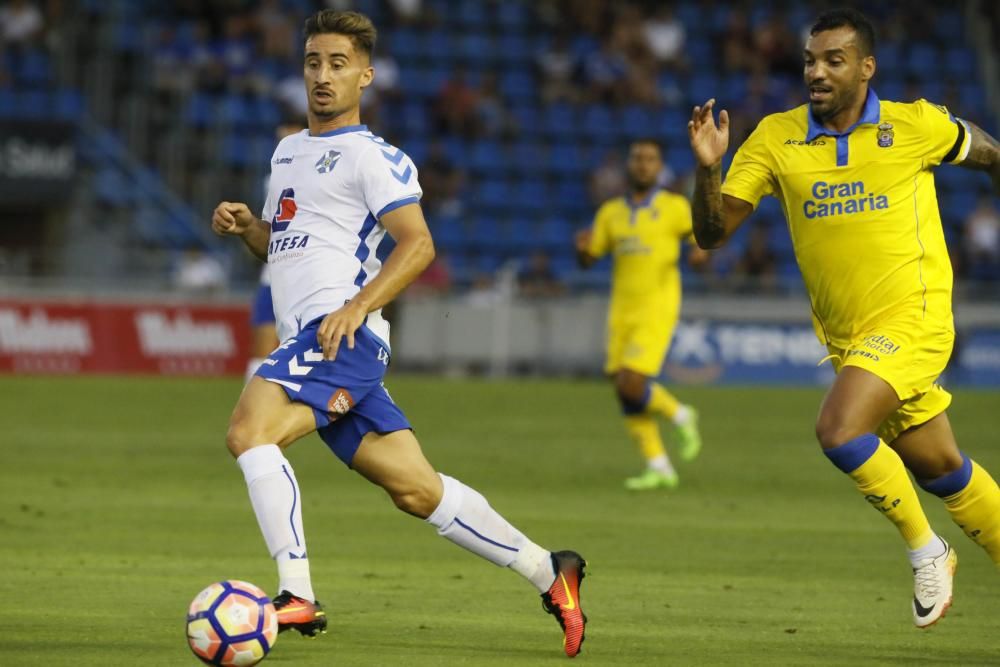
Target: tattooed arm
[714,216]
[984,155]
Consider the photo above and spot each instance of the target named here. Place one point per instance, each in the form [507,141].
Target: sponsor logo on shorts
[340,403]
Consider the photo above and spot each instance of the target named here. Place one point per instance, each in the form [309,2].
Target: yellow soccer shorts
[909,357]
[638,340]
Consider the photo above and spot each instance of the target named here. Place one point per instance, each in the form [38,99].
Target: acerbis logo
[799,142]
[285,211]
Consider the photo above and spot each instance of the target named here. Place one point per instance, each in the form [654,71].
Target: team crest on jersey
[325,164]
[284,211]
[885,135]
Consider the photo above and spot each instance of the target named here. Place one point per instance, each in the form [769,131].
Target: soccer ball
[231,624]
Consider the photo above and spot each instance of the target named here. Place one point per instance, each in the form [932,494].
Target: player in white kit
[335,191]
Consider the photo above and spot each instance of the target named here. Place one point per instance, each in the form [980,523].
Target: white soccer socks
[274,494]
[465,517]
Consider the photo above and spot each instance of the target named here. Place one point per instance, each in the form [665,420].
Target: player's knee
[630,387]
[833,433]
[418,500]
[238,439]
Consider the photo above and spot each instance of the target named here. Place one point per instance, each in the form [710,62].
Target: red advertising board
[53,336]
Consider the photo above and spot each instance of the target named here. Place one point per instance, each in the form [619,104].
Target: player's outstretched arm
[413,253]
[715,216]
[235,219]
[984,154]
[581,240]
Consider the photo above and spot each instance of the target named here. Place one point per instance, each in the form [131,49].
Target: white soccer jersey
[325,198]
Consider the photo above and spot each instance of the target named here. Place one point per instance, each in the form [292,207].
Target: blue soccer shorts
[347,395]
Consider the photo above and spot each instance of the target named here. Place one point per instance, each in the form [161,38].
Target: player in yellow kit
[853,174]
[643,231]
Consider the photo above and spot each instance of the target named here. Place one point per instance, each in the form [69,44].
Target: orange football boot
[563,599]
[295,613]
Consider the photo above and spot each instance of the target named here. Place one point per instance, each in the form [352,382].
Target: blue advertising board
[704,352]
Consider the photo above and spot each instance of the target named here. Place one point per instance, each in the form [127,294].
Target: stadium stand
[177,104]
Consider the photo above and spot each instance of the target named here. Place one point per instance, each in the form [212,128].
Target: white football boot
[932,580]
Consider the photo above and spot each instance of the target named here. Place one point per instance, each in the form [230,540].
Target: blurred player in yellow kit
[643,232]
[854,177]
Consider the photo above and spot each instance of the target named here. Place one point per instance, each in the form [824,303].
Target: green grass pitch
[119,502]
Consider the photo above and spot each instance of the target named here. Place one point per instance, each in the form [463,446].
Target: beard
[637,184]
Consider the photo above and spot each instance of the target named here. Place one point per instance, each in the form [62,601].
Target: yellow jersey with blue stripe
[861,209]
[644,242]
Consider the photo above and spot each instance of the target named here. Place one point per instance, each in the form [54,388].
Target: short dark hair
[646,141]
[355,25]
[853,19]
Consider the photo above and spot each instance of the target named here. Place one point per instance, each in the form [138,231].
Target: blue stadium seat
[597,121]
[265,113]
[493,193]
[32,68]
[8,103]
[27,103]
[972,98]
[948,28]
[703,86]
[672,126]
[960,63]
[559,120]
[111,187]
[636,121]
[923,61]
[475,48]
[414,118]
[556,233]
[513,48]
[518,84]
[200,111]
[437,45]
[235,111]
[471,14]
[526,157]
[485,156]
[405,45]
[889,59]
[67,104]
[530,195]
[513,15]
[567,159]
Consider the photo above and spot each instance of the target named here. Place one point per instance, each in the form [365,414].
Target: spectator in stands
[492,117]
[777,46]
[737,42]
[436,279]
[455,107]
[209,70]
[556,66]
[982,239]
[605,74]
[21,24]
[757,267]
[665,35]
[277,29]
[538,280]
[607,180]
[442,183]
[199,272]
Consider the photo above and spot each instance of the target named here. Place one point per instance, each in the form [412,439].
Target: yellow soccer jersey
[861,209]
[644,241]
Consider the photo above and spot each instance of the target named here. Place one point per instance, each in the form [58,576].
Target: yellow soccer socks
[662,402]
[881,477]
[645,432]
[973,499]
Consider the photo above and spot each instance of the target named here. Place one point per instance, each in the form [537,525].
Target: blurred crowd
[615,54]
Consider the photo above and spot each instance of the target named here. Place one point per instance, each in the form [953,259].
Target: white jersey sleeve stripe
[397,204]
